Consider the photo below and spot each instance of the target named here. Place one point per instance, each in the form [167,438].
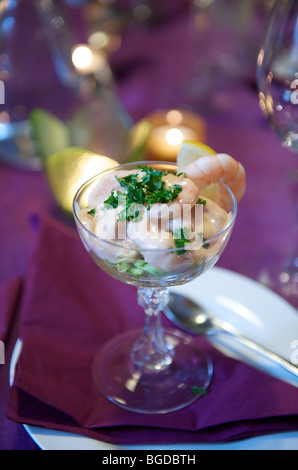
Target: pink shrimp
[215,168]
[186,199]
[106,185]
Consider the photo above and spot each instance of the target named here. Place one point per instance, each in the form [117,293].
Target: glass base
[277,272]
[176,386]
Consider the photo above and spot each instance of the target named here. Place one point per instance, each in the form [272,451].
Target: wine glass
[225,37]
[277,76]
[155,370]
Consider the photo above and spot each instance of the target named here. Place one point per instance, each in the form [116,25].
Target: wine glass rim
[163,250]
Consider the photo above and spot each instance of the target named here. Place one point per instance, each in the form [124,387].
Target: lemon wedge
[51,134]
[190,152]
[138,138]
[68,169]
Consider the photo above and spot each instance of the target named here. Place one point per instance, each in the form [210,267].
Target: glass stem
[151,353]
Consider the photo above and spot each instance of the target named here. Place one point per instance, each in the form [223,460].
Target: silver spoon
[192,318]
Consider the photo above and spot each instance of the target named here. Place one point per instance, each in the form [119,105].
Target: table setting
[108,346]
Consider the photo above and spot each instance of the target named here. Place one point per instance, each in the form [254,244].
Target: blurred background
[74,60]
[132,79]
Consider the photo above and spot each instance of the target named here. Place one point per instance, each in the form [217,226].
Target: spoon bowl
[188,315]
[193,318]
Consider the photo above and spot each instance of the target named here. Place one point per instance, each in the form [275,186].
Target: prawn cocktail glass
[152,226]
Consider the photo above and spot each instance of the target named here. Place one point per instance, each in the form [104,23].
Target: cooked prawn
[187,198]
[216,168]
[106,185]
[150,239]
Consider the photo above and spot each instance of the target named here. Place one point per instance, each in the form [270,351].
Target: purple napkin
[69,309]
[9,295]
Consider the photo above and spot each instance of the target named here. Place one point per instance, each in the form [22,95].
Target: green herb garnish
[136,267]
[130,212]
[198,390]
[113,199]
[184,175]
[145,189]
[202,201]
[180,239]
[206,245]
[92,212]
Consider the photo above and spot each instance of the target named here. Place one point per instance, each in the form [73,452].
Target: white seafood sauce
[152,231]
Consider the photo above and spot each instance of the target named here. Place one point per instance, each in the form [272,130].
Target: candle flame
[82,57]
[174,137]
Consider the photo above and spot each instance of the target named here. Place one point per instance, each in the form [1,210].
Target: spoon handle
[284,363]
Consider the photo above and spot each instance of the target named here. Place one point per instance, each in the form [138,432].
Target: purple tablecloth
[150,78]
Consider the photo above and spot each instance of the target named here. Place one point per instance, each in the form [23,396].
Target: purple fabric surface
[150,76]
[69,309]
[11,435]
[9,296]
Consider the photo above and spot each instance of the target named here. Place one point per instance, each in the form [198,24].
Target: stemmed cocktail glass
[155,370]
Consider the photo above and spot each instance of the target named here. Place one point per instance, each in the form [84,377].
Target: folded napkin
[10,292]
[69,309]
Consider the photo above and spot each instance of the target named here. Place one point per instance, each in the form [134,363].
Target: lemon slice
[69,169]
[137,141]
[51,134]
[190,152]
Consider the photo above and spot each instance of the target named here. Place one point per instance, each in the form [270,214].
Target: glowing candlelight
[170,129]
[82,58]
[87,60]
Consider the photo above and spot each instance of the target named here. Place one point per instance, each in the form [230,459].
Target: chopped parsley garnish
[113,200]
[206,245]
[202,201]
[184,175]
[91,212]
[180,239]
[130,212]
[144,189]
[198,390]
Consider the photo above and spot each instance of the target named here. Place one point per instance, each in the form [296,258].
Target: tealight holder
[169,129]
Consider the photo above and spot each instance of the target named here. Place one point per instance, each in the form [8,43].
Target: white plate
[251,308]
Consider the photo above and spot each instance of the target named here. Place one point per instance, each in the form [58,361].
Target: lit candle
[170,129]
[83,58]
[87,60]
